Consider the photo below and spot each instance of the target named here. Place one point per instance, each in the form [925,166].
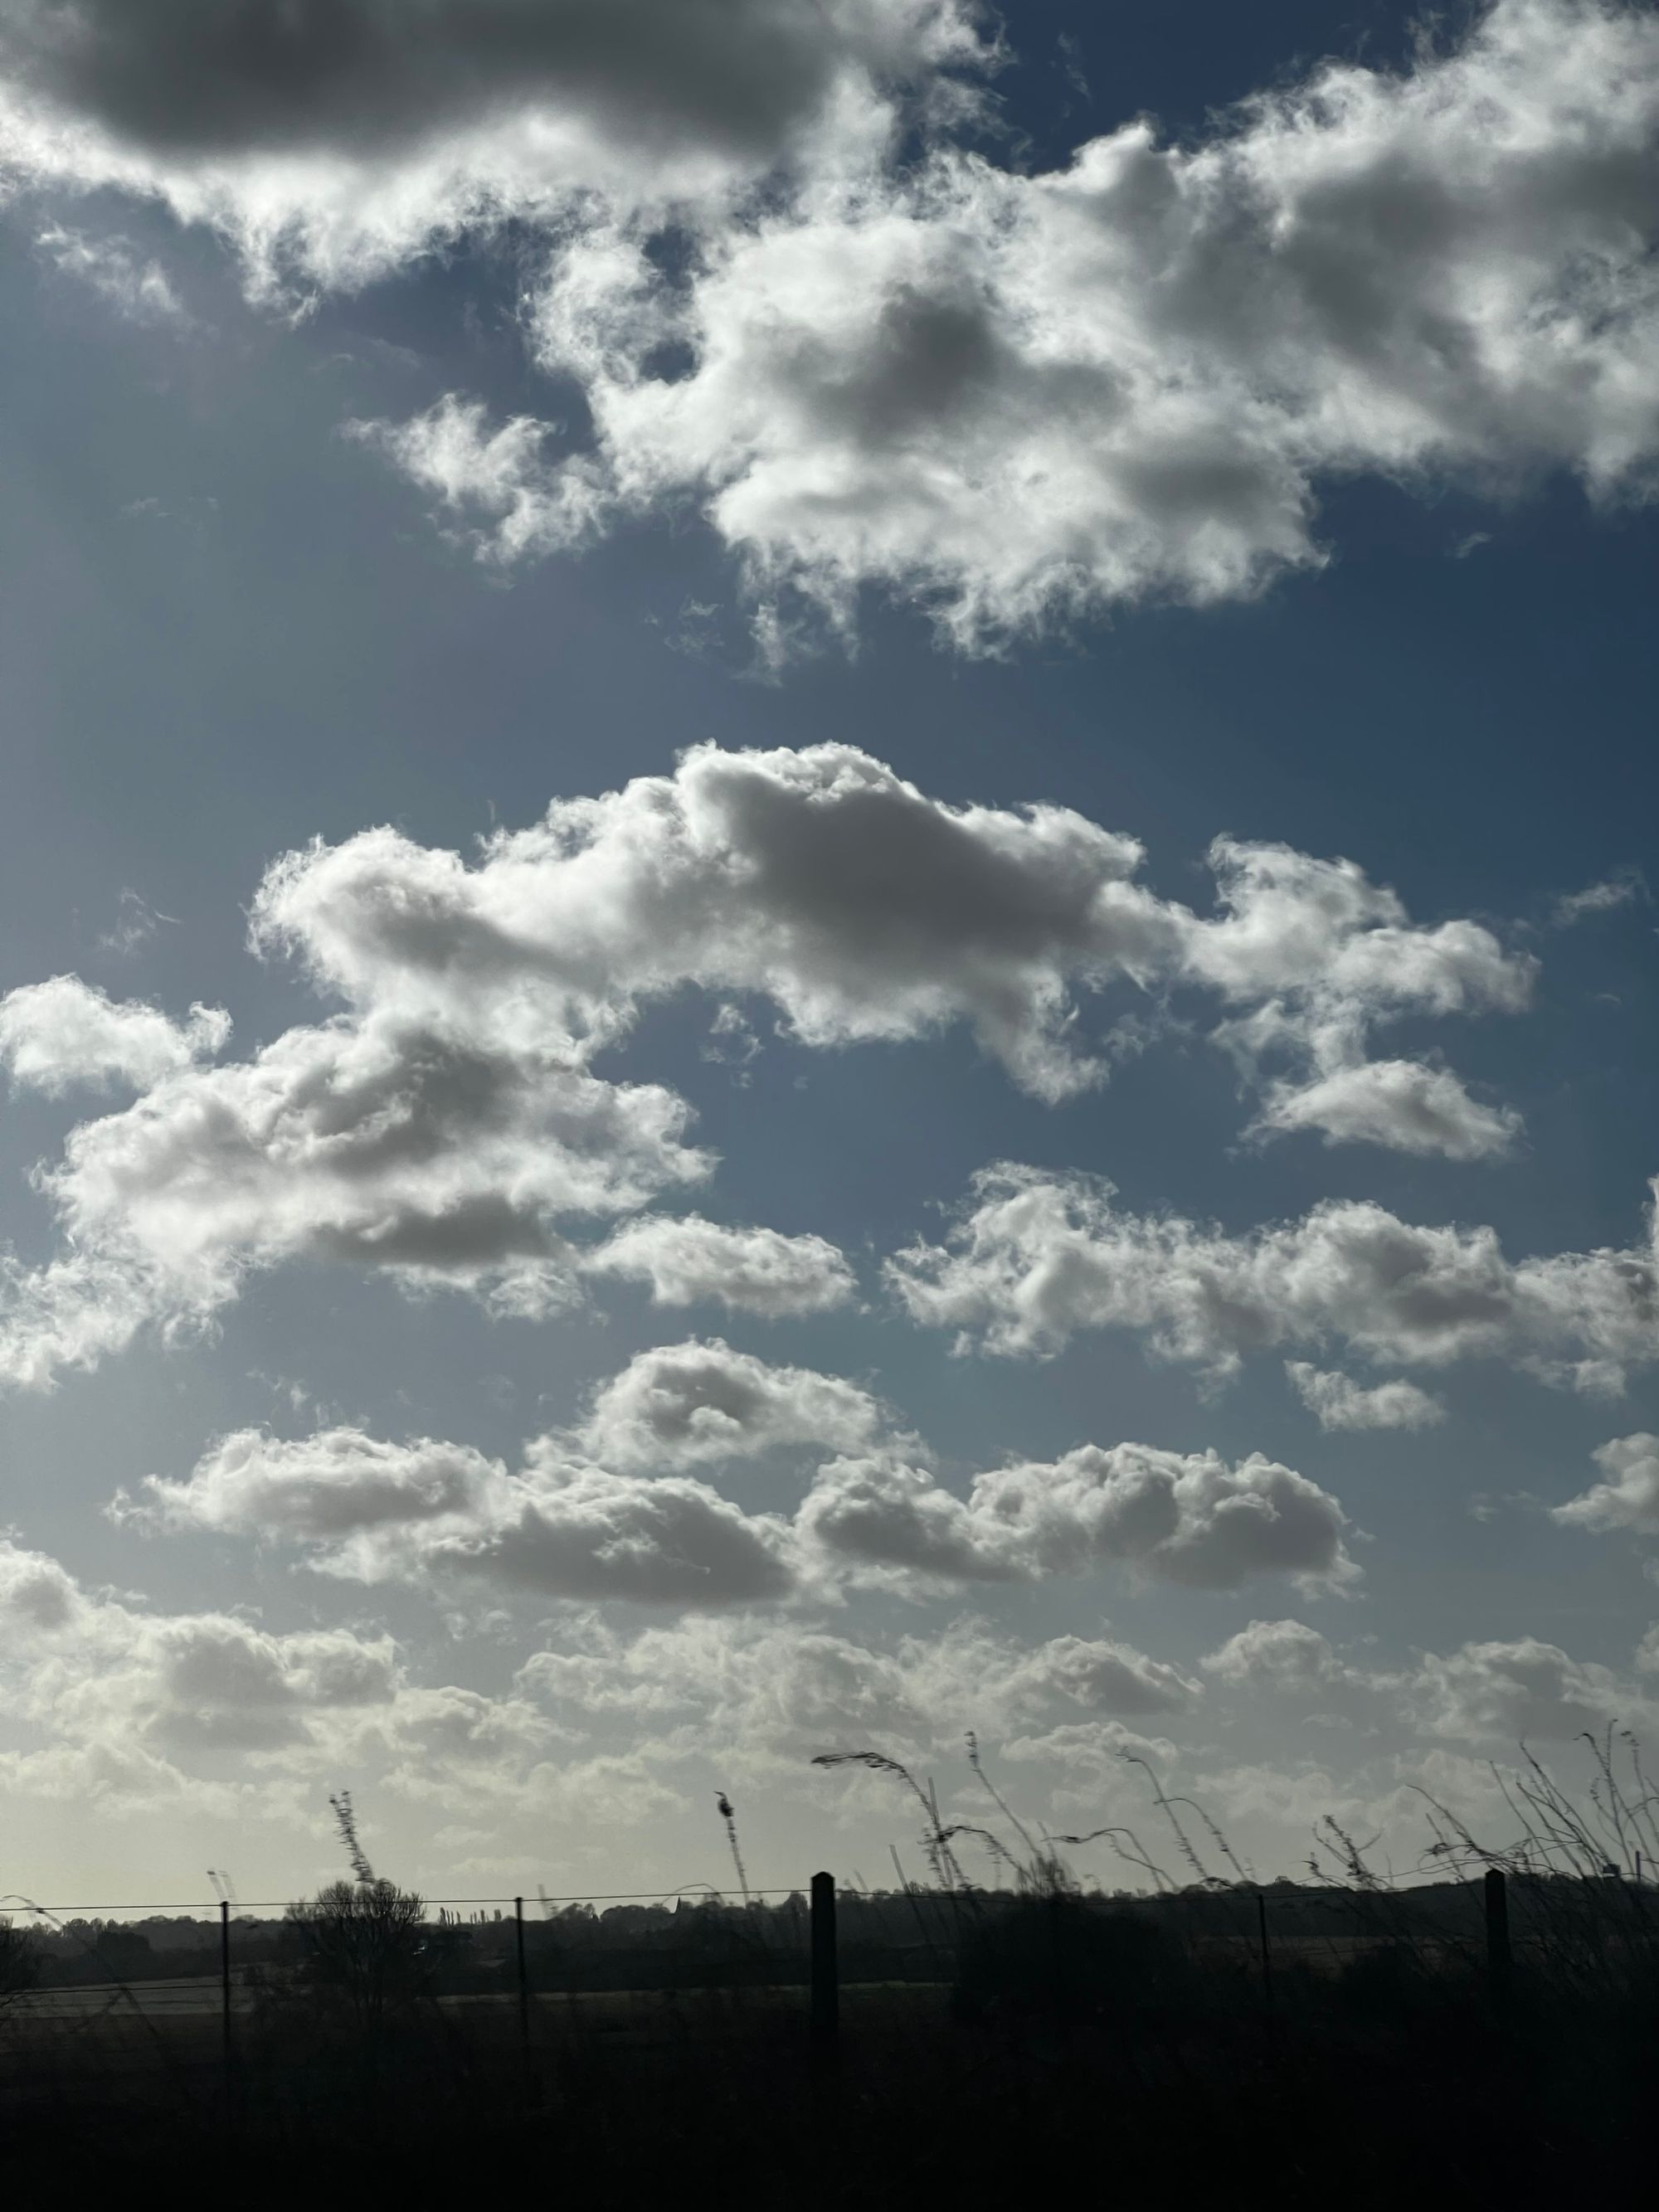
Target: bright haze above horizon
[827,918]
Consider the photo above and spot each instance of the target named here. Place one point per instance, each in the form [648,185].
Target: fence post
[224,1993]
[1498,1936]
[524,1985]
[1267,1948]
[826,1974]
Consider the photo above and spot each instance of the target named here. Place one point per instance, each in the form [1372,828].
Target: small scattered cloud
[1624,887]
[1337,1401]
[690,1261]
[136,921]
[702,1403]
[1627,1496]
[139,289]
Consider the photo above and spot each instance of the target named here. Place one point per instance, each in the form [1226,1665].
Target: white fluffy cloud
[1627,1496]
[817,878]
[472,467]
[1319,956]
[575,1530]
[57,1035]
[1337,1401]
[1500,1694]
[442,1156]
[1283,1655]
[126,1699]
[865,909]
[1188,1519]
[608,1510]
[1037,1257]
[699,1403]
[337,1484]
[691,1262]
[1398,1103]
[446,1124]
[1013,396]
[373,1512]
[1511,1692]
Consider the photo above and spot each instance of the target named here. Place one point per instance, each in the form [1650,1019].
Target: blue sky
[1364,574]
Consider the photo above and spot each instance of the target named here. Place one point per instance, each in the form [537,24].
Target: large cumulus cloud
[872,356]
[1011,396]
[865,909]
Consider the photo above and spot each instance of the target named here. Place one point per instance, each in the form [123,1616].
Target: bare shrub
[20,1960]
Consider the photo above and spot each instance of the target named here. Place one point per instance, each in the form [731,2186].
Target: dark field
[1027,2048]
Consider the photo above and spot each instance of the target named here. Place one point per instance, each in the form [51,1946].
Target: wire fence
[268,2005]
[553,1961]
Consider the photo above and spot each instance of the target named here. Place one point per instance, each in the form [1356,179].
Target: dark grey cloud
[234,77]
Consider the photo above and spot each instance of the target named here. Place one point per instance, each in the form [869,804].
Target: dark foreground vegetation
[1343,2043]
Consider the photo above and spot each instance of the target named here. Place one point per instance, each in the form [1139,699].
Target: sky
[826,920]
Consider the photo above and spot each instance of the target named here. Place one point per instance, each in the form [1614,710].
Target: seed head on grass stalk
[998,1799]
[346,1820]
[1166,1805]
[723,1805]
[992,1843]
[947,1870]
[1135,1855]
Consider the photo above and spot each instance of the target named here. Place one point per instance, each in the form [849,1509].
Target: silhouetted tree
[364,1939]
